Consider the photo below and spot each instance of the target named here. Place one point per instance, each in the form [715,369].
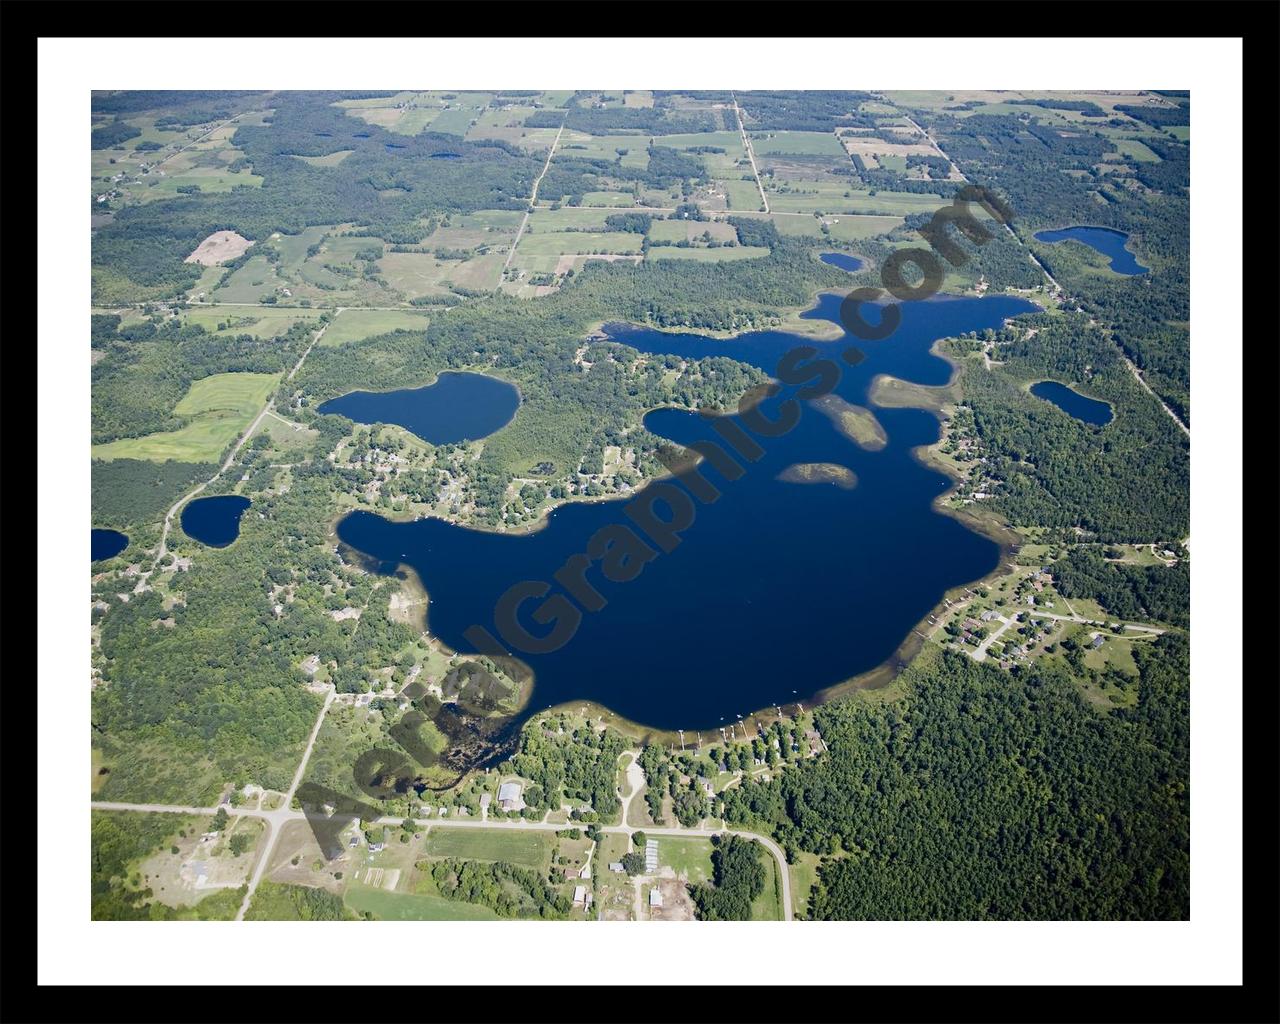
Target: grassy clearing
[689,858]
[804,876]
[328,160]
[266,322]
[768,905]
[357,324]
[734,252]
[661,231]
[557,243]
[608,199]
[421,275]
[853,229]
[544,220]
[797,143]
[1132,149]
[837,198]
[742,195]
[526,847]
[407,906]
[219,407]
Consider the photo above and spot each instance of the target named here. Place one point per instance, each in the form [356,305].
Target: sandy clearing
[218,248]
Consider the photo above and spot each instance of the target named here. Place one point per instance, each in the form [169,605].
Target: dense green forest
[580,765]
[989,795]
[506,889]
[141,379]
[1144,592]
[273,901]
[128,491]
[1055,470]
[738,877]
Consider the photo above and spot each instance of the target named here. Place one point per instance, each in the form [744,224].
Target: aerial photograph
[637,505]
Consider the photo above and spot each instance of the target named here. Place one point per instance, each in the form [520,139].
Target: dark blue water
[107,544]
[446,156]
[457,407]
[1073,403]
[842,260]
[775,591]
[1104,240]
[214,521]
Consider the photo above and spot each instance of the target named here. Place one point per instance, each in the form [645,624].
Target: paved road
[277,818]
[746,142]
[162,550]
[981,653]
[534,197]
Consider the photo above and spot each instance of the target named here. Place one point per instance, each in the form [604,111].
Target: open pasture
[218,409]
[357,324]
[524,847]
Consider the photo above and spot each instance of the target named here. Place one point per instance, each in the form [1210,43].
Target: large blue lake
[214,521]
[1090,410]
[777,590]
[457,407]
[1104,240]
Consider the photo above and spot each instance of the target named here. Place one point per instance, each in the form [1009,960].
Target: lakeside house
[509,796]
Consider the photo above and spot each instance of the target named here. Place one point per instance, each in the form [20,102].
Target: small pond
[842,260]
[107,544]
[214,521]
[1090,410]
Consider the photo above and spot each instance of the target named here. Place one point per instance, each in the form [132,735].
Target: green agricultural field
[251,283]
[797,225]
[419,275]
[608,199]
[852,228]
[730,142]
[605,147]
[797,143]
[207,179]
[1132,149]
[356,324]
[525,847]
[830,198]
[556,243]
[662,231]
[725,253]
[409,906]
[219,408]
[544,219]
[456,120]
[500,220]
[263,322]
[742,195]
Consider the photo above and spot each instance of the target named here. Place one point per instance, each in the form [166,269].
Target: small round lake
[1104,240]
[842,260]
[457,407]
[107,544]
[1090,410]
[214,521]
